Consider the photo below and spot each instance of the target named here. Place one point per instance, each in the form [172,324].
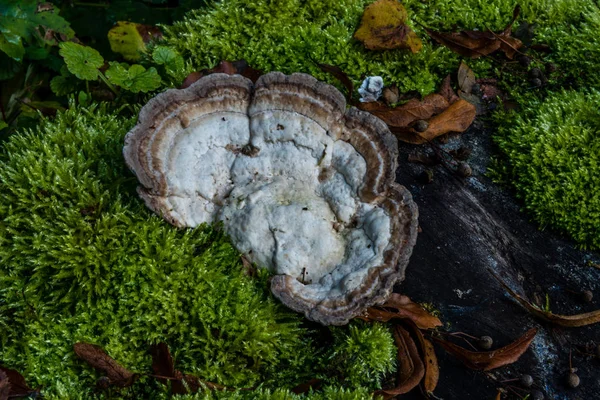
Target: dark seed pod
[524,60]
[464,170]
[485,342]
[421,125]
[526,381]
[573,380]
[535,73]
[587,296]
[537,395]
[536,82]
[550,68]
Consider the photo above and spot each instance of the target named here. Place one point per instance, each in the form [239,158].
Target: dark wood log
[470,225]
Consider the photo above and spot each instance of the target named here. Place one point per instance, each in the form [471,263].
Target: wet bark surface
[469,226]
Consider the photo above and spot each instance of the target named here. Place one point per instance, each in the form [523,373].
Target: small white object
[370,89]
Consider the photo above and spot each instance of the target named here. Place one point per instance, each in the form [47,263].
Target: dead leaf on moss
[475,44]
[341,76]
[466,78]
[97,358]
[239,67]
[410,366]
[488,360]
[409,112]
[567,321]
[399,306]
[432,370]
[383,27]
[456,118]
[12,384]
[446,90]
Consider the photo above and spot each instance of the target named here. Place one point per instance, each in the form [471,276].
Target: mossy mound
[553,155]
[82,259]
[293,35]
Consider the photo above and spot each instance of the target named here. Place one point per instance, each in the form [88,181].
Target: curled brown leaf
[410,366]
[341,76]
[567,321]
[488,360]
[97,358]
[399,306]
[476,44]
[406,114]
[13,384]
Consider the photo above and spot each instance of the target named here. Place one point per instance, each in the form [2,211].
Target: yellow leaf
[383,27]
[129,39]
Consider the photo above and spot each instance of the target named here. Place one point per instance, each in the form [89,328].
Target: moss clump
[553,156]
[82,259]
[290,35]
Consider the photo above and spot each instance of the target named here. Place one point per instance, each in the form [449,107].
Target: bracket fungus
[304,187]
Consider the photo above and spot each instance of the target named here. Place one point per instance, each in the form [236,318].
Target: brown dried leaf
[432,370]
[341,76]
[383,27]
[406,114]
[13,383]
[162,365]
[410,366]
[456,118]
[97,358]
[239,67]
[488,360]
[401,307]
[196,384]
[568,321]
[446,90]
[466,78]
[476,44]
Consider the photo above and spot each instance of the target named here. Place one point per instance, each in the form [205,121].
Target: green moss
[82,259]
[289,35]
[553,161]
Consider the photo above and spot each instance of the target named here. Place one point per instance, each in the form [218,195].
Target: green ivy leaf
[82,61]
[135,78]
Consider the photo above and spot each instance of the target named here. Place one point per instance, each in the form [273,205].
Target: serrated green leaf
[62,85]
[82,61]
[134,78]
[170,58]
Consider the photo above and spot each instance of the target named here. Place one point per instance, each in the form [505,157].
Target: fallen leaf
[499,395]
[383,27]
[410,367]
[402,308]
[406,114]
[466,78]
[196,384]
[432,370]
[341,76]
[97,358]
[489,88]
[12,384]
[239,67]
[488,360]
[567,321]
[456,118]
[446,90]
[163,366]
[476,44]
[129,38]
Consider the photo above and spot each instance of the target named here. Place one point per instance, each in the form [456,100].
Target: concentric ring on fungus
[303,186]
